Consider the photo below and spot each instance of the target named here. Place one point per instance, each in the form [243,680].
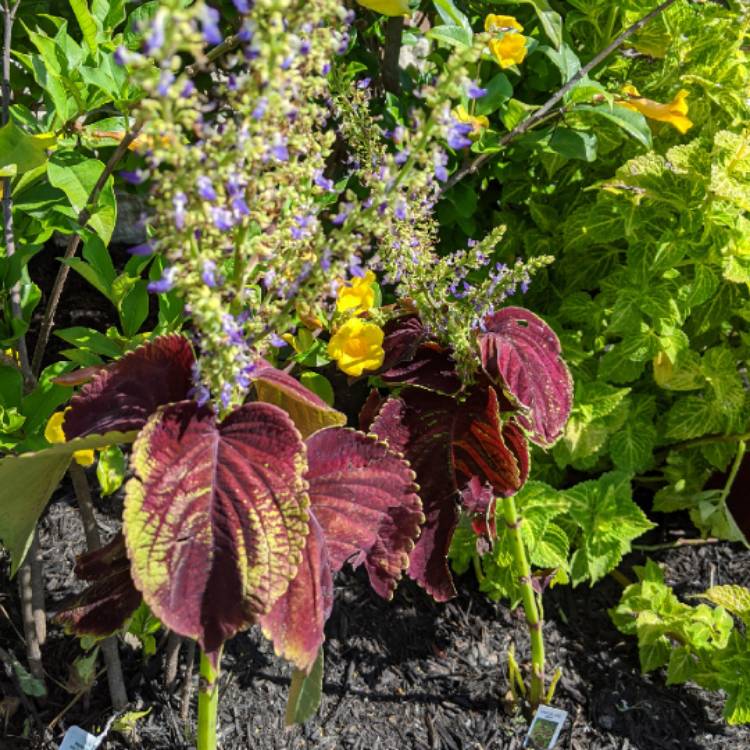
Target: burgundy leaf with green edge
[296,621]
[373,404]
[522,353]
[109,601]
[448,443]
[215,518]
[364,510]
[309,412]
[401,337]
[124,394]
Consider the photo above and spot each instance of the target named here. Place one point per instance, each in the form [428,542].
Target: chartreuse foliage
[699,644]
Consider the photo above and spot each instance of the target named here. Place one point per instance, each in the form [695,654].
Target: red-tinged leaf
[126,393]
[370,409]
[107,604]
[401,338]
[296,621]
[431,367]
[216,517]
[364,497]
[308,411]
[447,443]
[520,351]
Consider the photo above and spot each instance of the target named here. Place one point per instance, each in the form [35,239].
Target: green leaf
[692,416]
[564,59]
[21,152]
[76,176]
[499,90]
[735,599]
[133,308]
[633,123]
[573,144]
[305,692]
[110,470]
[453,16]
[450,35]
[90,340]
[86,22]
[319,385]
[631,447]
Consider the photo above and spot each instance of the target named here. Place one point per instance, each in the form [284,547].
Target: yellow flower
[494,23]
[357,296]
[11,353]
[509,50]
[388,7]
[477,122]
[674,112]
[357,346]
[53,433]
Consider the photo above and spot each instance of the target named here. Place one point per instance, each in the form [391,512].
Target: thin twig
[230,43]
[33,649]
[117,692]
[39,611]
[529,122]
[172,659]
[72,248]
[187,682]
[675,544]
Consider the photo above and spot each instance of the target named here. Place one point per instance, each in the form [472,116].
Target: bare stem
[39,611]
[394,27]
[172,659]
[542,112]
[118,693]
[72,248]
[25,591]
[187,682]
[674,545]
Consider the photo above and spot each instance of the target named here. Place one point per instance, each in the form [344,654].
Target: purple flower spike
[209,273]
[243,6]
[222,218]
[142,250]
[210,21]
[206,188]
[165,81]
[155,40]
[179,202]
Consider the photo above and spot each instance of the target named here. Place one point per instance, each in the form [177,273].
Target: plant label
[79,739]
[546,727]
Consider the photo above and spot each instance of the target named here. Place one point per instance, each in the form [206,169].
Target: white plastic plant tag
[79,739]
[546,727]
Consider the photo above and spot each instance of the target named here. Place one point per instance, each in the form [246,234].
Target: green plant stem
[674,545]
[208,703]
[528,598]
[539,114]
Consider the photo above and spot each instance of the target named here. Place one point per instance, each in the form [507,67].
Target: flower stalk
[528,598]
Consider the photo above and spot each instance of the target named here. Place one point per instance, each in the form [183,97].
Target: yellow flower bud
[357,346]
[509,50]
[357,296]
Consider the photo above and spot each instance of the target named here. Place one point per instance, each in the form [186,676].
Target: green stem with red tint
[208,703]
[528,599]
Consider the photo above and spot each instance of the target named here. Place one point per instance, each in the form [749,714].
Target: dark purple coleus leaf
[373,404]
[106,605]
[448,443]
[123,395]
[215,519]
[364,503]
[308,411]
[522,353]
[401,337]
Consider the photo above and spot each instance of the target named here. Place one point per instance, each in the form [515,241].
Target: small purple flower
[400,210]
[165,283]
[456,134]
[343,44]
[232,83]
[226,395]
[401,157]
[440,162]
[323,182]
[474,91]
[303,223]
[231,328]
[286,63]
[179,202]
[364,83]
[206,188]
[144,249]
[133,178]
[165,81]
[344,211]
[326,69]
[305,47]
[243,6]
[155,40]
[279,149]
[209,273]
[210,22]
[187,89]
[275,340]
[239,206]
[325,260]
[121,55]
[223,218]
[355,268]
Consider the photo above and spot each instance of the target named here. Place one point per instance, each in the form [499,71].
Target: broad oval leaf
[296,621]
[448,443]
[108,602]
[215,518]
[308,411]
[364,497]
[123,395]
[522,352]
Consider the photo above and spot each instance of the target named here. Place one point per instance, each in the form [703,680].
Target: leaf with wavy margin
[447,443]
[521,352]
[215,519]
[109,601]
[309,412]
[127,392]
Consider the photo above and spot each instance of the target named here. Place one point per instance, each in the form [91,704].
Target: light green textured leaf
[305,693]
[21,152]
[633,123]
[86,22]
[631,447]
[735,599]
[692,416]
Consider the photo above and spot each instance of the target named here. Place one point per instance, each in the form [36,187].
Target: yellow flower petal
[509,50]
[53,432]
[493,23]
[477,122]
[388,7]
[357,346]
[84,458]
[357,296]
[674,112]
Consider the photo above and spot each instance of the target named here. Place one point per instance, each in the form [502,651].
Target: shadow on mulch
[404,674]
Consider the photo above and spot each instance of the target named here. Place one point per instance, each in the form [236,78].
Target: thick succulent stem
[208,703]
[528,598]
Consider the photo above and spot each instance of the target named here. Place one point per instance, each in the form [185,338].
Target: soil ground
[404,674]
